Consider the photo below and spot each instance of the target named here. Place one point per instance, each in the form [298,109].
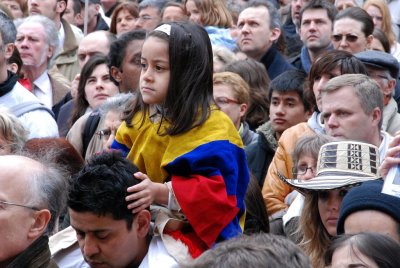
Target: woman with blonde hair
[215,17]
[380,14]
[12,133]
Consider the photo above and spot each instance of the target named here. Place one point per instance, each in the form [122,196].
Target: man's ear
[308,114]
[8,51]
[142,223]
[376,115]
[39,225]
[116,74]
[275,33]
[388,91]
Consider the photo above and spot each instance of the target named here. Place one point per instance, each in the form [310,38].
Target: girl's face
[328,207]
[193,12]
[376,16]
[125,21]
[99,86]
[347,257]
[306,167]
[154,78]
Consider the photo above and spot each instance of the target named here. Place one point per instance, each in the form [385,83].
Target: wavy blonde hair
[12,131]
[386,18]
[213,13]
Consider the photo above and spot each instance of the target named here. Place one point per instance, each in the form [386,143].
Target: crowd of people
[199,133]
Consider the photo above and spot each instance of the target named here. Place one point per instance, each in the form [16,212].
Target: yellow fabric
[151,152]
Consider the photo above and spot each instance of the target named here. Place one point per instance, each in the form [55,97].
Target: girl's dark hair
[383,250]
[81,103]
[255,75]
[256,214]
[358,14]
[382,38]
[187,104]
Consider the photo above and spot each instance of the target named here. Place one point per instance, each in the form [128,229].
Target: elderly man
[38,44]
[384,69]
[108,233]
[69,35]
[316,22]
[38,121]
[31,199]
[149,14]
[259,28]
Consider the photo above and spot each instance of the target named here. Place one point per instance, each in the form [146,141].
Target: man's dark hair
[118,48]
[292,81]
[331,10]
[101,187]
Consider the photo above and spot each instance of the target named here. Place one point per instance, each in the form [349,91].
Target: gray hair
[12,130]
[274,15]
[50,30]
[7,29]
[116,103]
[366,89]
[48,188]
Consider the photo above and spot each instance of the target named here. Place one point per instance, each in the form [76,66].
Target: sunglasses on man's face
[348,37]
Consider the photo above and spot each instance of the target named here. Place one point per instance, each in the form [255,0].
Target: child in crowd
[189,153]
[340,165]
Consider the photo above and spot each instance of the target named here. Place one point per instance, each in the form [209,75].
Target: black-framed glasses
[18,205]
[302,170]
[351,38]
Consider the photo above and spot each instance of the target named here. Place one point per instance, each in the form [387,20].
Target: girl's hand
[145,193]
[392,156]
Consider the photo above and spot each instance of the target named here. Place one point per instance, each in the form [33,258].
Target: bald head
[95,42]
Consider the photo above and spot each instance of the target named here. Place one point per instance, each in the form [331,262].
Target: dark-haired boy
[289,105]
[109,235]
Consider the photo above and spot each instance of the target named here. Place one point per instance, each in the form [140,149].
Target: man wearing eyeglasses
[149,14]
[31,199]
[316,22]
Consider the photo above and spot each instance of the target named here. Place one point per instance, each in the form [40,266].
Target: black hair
[331,10]
[381,249]
[118,48]
[358,14]
[292,81]
[101,187]
[190,89]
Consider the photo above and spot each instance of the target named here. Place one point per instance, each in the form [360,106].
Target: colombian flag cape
[208,171]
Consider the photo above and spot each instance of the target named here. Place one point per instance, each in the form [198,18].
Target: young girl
[175,134]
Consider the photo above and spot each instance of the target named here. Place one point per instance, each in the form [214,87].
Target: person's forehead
[315,13]
[347,25]
[91,222]
[149,10]
[94,44]
[33,29]
[292,94]
[254,13]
